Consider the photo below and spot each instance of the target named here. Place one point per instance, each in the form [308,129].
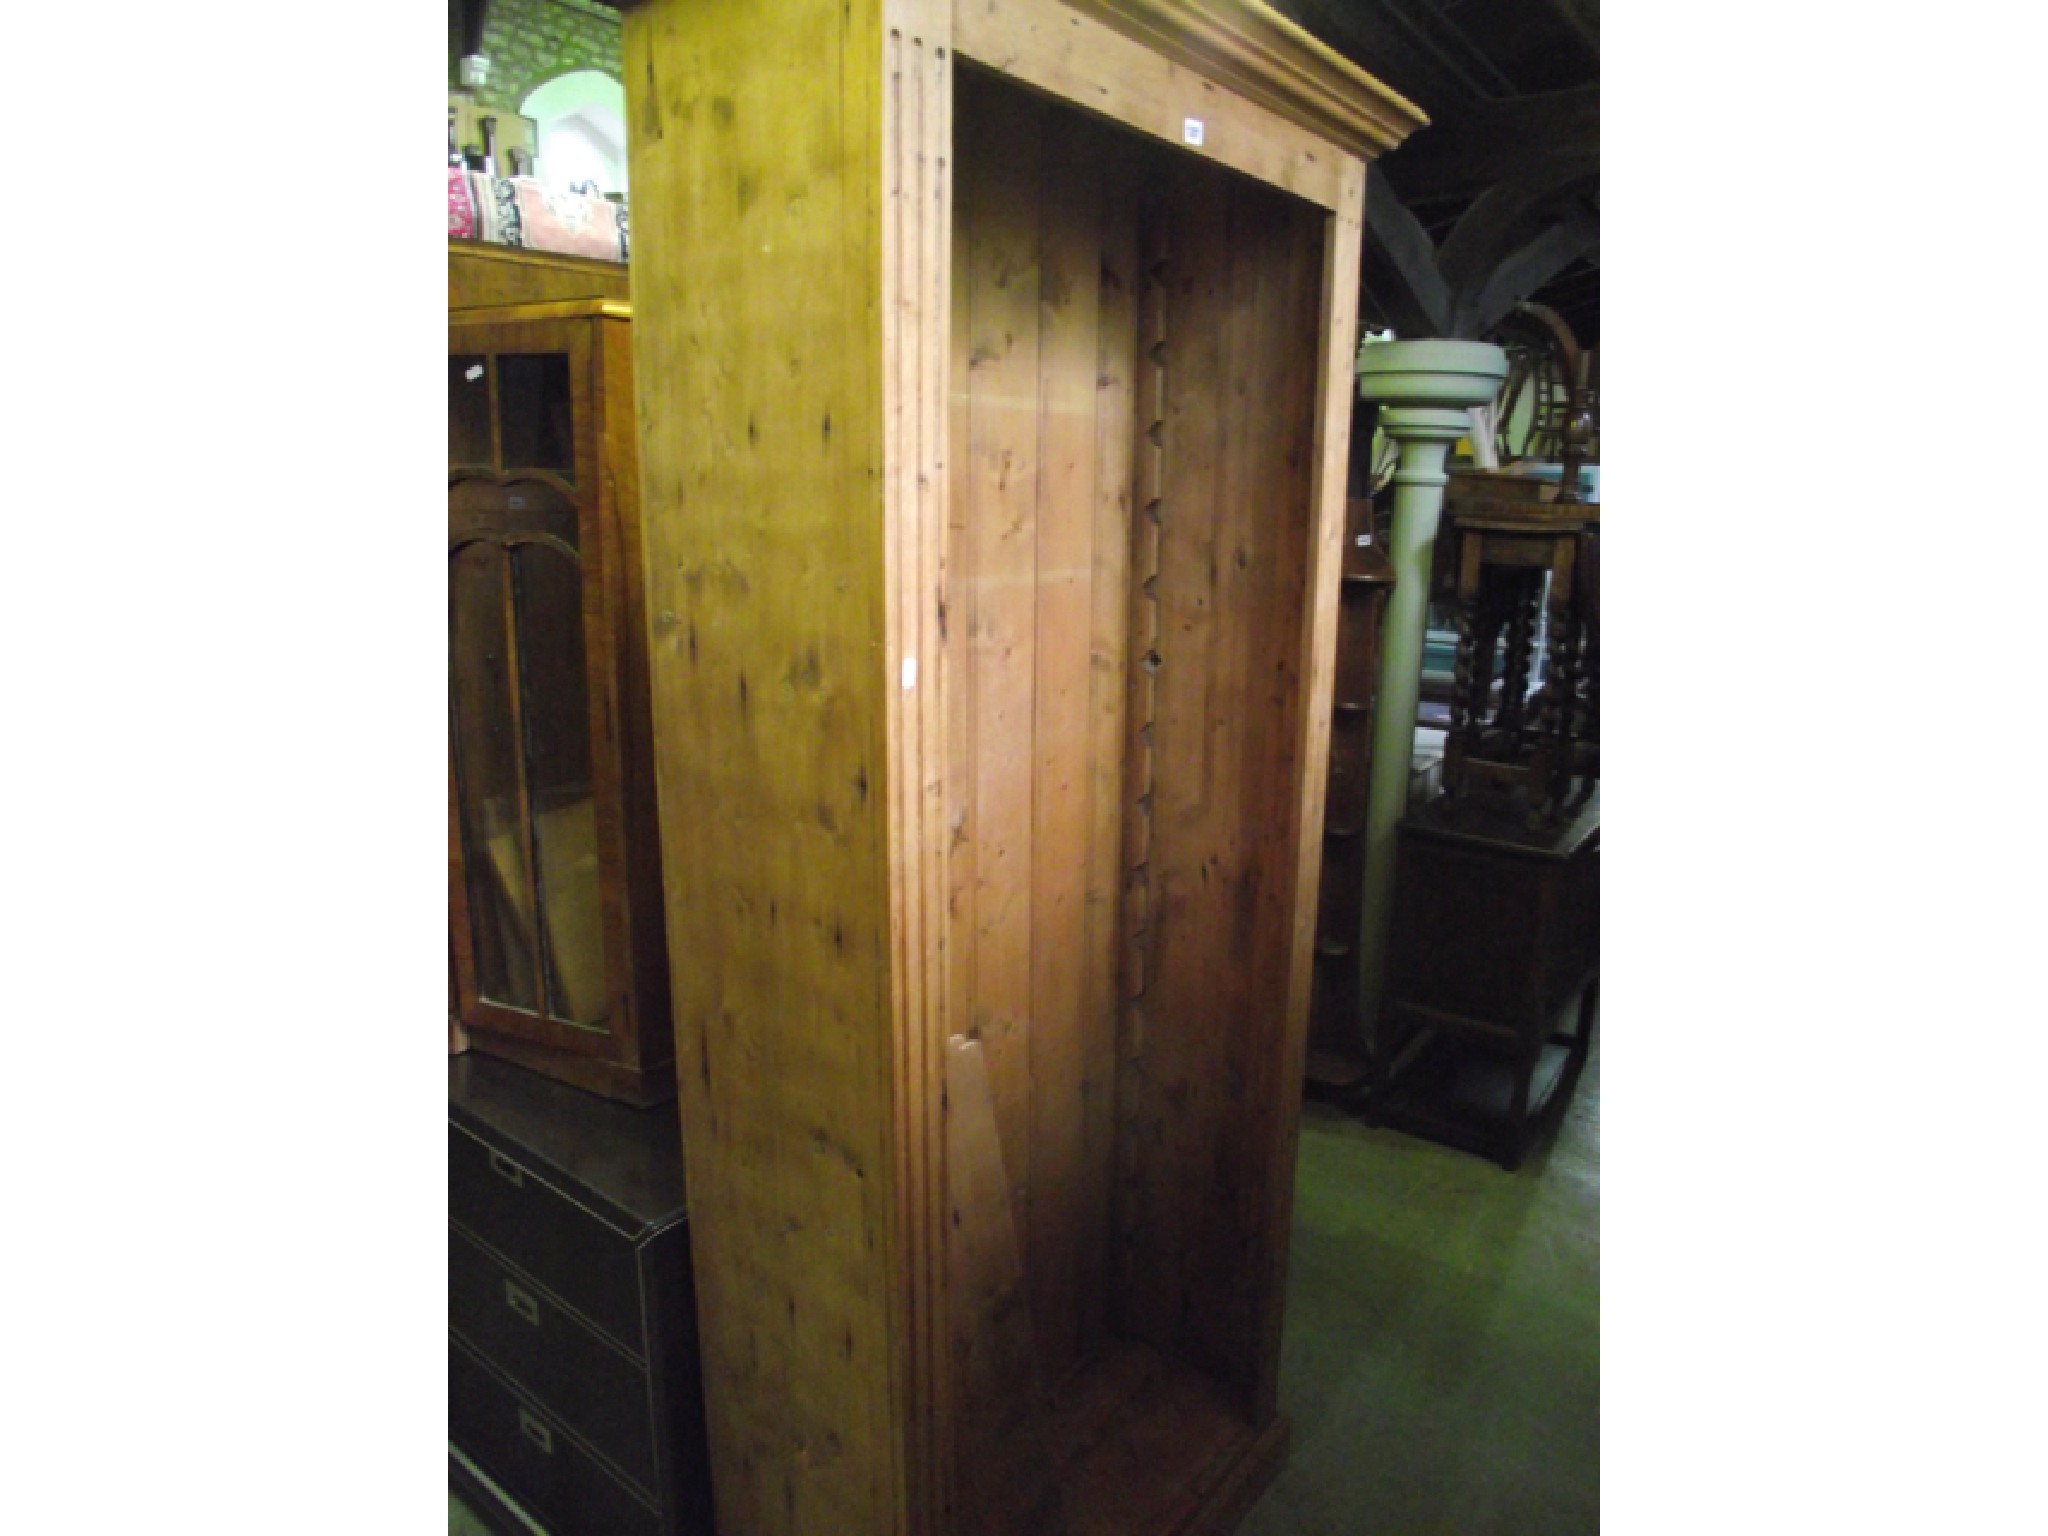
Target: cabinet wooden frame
[835,456]
[485,276]
[630,1054]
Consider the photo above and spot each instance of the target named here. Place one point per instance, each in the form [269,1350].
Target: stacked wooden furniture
[573,1393]
[994,364]
[554,878]
[1493,974]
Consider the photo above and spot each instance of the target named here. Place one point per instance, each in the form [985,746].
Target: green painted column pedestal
[1424,390]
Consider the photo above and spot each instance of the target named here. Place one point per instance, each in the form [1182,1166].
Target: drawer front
[572,1251]
[582,1379]
[533,1456]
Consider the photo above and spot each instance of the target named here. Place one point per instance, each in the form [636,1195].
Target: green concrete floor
[1442,1355]
[462,1522]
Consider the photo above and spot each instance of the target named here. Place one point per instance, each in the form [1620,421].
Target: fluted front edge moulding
[993,364]
[1425,390]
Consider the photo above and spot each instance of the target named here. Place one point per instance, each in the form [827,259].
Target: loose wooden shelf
[993,367]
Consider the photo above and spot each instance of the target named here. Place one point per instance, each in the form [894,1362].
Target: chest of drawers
[573,1388]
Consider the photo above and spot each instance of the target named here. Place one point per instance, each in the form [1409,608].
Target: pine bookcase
[993,364]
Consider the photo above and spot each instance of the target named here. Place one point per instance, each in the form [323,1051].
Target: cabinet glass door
[520,721]
[489,788]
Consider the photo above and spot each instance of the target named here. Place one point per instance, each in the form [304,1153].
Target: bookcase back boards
[992,362]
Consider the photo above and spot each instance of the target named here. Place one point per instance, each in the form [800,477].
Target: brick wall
[529,42]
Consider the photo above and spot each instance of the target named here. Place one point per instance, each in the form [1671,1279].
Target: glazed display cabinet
[554,879]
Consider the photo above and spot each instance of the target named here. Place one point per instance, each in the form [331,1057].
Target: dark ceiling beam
[1507,215]
[1385,50]
[1583,17]
[1499,197]
[1462,156]
[1522,273]
[1401,267]
[1578,280]
[1451,48]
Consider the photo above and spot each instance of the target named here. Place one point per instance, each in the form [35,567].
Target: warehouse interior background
[1815,1268]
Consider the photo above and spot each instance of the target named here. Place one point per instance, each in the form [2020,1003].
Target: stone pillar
[1425,390]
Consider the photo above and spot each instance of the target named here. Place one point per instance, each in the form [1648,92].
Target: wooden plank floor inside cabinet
[1141,1442]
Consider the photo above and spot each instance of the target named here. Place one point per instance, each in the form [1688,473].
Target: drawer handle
[508,1170]
[537,1432]
[522,1303]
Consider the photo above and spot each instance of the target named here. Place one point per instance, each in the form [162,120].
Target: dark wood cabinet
[554,864]
[1493,975]
[574,1391]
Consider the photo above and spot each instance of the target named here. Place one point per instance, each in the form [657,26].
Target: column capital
[1425,423]
[1424,434]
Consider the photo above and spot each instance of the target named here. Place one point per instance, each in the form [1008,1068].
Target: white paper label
[475,372]
[909,673]
[1191,130]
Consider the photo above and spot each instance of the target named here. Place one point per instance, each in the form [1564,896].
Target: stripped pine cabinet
[992,365]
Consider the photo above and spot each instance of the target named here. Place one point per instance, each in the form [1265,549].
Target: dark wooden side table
[574,1390]
[1493,976]
[1513,552]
